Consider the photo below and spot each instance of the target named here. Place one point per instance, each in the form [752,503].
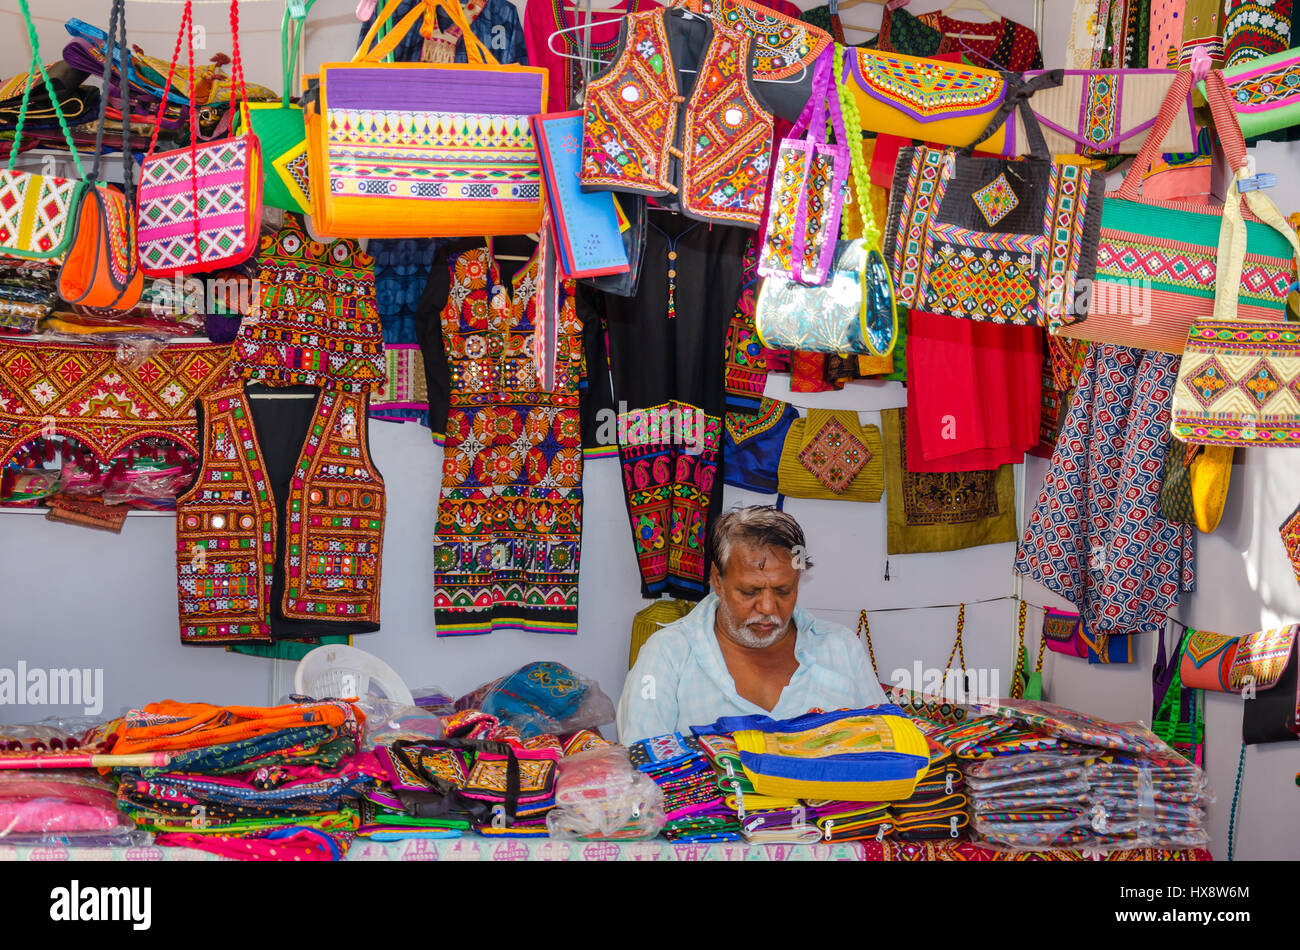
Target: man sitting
[746,648]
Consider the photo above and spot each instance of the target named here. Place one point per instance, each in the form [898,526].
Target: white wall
[74,597]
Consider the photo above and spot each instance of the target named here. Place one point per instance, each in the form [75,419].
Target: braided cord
[1042,642]
[38,66]
[857,163]
[194,129]
[864,633]
[959,647]
[1236,796]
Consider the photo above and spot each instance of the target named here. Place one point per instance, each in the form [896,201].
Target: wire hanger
[837,10]
[975,6]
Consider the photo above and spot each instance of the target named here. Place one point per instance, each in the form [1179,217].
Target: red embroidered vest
[226,526]
[717,163]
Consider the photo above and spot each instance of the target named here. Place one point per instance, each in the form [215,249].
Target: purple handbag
[807,195]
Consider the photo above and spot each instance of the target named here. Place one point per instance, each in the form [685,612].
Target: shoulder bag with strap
[915,702]
[103,269]
[200,207]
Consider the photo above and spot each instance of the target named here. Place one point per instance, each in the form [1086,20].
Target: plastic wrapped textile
[542,697]
[1079,727]
[387,722]
[599,796]
[1010,743]
[48,806]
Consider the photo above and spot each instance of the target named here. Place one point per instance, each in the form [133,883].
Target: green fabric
[280,130]
[286,649]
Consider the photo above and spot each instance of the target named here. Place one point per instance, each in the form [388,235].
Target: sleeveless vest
[227,526]
[641,135]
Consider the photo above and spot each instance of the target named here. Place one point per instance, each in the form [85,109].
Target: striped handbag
[200,207]
[1157,261]
[424,149]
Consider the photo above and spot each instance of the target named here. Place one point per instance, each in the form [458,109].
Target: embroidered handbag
[1024,684]
[783,46]
[1177,716]
[1264,93]
[1273,715]
[807,194]
[1061,633]
[855,755]
[1105,112]
[928,99]
[200,207]
[1002,240]
[1290,532]
[280,130]
[1157,260]
[1228,664]
[393,152]
[38,213]
[855,310]
[831,455]
[102,269]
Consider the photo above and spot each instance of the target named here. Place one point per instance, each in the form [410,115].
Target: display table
[473,848]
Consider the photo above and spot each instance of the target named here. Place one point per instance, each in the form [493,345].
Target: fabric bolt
[315,323]
[666,363]
[693,684]
[509,529]
[942,511]
[975,398]
[1096,536]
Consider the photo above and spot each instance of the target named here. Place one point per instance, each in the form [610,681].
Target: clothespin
[1257,182]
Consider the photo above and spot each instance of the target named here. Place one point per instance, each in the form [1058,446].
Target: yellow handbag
[649,620]
[831,455]
[928,99]
[1210,473]
[424,149]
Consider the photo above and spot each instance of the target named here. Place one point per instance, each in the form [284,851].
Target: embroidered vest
[714,158]
[227,524]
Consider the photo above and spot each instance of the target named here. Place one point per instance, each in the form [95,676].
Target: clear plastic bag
[387,721]
[542,697]
[599,795]
[40,807]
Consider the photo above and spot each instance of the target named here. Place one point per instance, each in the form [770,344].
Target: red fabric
[974,393]
[808,373]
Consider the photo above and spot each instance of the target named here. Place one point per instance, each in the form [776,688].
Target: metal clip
[298,10]
[830,823]
[880,835]
[947,785]
[1257,182]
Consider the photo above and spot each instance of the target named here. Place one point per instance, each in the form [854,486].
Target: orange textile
[170,725]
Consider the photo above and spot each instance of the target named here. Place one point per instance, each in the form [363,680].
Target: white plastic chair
[340,671]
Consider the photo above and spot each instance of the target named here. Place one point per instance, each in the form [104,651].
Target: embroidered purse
[783,45]
[392,151]
[1290,531]
[103,269]
[1227,664]
[830,455]
[1105,112]
[1002,240]
[1273,715]
[1157,261]
[280,130]
[200,207]
[1235,379]
[1264,93]
[928,99]
[807,195]
[1061,633]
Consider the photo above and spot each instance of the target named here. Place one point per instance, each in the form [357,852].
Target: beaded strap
[1236,797]
[38,66]
[959,648]
[1018,676]
[864,633]
[857,163]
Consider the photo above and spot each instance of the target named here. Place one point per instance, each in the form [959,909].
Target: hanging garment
[748,361]
[564,83]
[315,323]
[280,537]
[942,511]
[1096,536]
[510,507]
[752,445]
[1165,42]
[1253,29]
[716,167]
[1004,44]
[976,393]
[1202,29]
[665,358]
[495,23]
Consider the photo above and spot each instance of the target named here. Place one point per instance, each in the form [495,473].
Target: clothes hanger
[535,236]
[974,6]
[837,9]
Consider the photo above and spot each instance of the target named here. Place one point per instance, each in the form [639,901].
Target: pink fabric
[33,805]
[303,845]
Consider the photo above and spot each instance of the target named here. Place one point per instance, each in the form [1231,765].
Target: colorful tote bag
[1290,531]
[102,268]
[200,207]
[38,213]
[807,195]
[928,99]
[392,151]
[1002,240]
[831,455]
[1264,93]
[1158,261]
[280,129]
[1105,112]
[1228,664]
[1061,633]
[857,755]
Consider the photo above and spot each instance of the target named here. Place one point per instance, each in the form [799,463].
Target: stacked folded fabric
[1034,801]
[693,803]
[852,821]
[1148,802]
[770,820]
[28,292]
[937,809]
[725,756]
[246,771]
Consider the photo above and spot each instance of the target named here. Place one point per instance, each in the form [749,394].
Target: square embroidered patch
[835,456]
[996,200]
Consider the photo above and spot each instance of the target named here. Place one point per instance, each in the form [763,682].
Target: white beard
[743,633]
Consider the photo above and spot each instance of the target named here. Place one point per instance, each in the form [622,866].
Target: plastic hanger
[975,6]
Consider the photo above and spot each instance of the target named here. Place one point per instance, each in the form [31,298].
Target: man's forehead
[752,557]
